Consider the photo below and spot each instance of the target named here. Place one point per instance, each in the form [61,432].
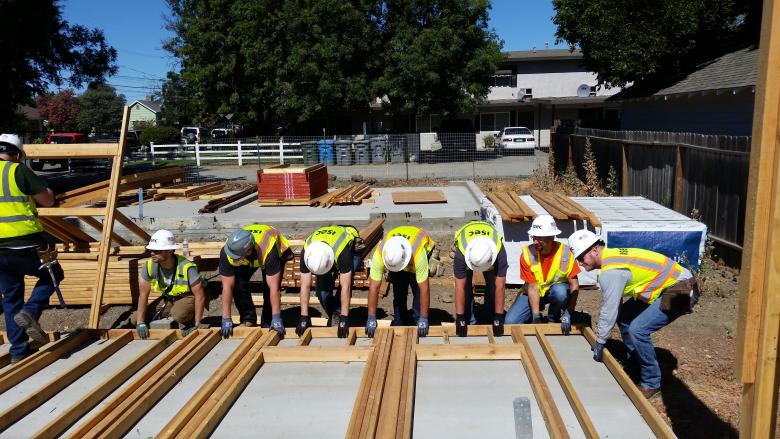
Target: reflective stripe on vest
[559,271]
[417,237]
[651,272]
[337,237]
[474,229]
[266,238]
[180,283]
[18,216]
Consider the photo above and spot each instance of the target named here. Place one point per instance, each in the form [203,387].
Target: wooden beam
[430,352]
[392,411]
[574,400]
[291,354]
[80,408]
[71,151]
[552,417]
[97,225]
[108,223]
[71,211]
[679,180]
[653,419]
[365,413]
[132,227]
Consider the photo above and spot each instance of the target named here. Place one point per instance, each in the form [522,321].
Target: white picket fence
[240,152]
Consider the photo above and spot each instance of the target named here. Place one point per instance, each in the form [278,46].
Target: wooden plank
[468,352]
[65,379]
[653,419]
[292,354]
[419,197]
[376,389]
[552,417]
[97,225]
[132,227]
[291,169]
[568,389]
[395,396]
[71,211]
[108,223]
[71,151]
[55,230]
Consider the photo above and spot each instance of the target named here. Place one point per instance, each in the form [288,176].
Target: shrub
[160,135]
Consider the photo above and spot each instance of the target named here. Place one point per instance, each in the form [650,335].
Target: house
[144,110]
[716,98]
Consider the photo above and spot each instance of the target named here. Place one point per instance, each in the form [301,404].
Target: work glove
[277,324]
[371,326]
[598,352]
[303,324]
[537,318]
[186,330]
[143,330]
[461,325]
[343,326]
[422,326]
[498,325]
[227,327]
[566,322]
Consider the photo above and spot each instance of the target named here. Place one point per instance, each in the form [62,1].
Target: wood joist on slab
[511,207]
[562,207]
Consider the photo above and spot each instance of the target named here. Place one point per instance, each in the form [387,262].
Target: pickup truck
[58,138]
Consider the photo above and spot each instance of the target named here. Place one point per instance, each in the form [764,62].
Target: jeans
[637,322]
[487,312]
[325,285]
[242,297]
[13,268]
[557,296]
[401,281]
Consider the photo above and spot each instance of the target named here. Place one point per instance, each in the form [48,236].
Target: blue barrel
[326,152]
[311,155]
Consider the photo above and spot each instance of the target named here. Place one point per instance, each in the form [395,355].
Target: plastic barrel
[343,152]
[378,151]
[326,152]
[311,155]
[396,151]
[362,153]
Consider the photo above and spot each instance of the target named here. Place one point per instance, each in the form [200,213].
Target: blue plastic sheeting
[681,245]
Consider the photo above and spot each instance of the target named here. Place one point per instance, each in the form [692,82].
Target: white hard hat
[319,257]
[396,253]
[162,240]
[581,240]
[544,225]
[11,140]
[481,253]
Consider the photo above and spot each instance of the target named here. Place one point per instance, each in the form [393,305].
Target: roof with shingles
[151,105]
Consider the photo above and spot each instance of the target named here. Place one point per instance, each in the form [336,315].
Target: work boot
[25,320]
[649,393]
[248,324]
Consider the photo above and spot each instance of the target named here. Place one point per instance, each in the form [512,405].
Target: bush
[160,135]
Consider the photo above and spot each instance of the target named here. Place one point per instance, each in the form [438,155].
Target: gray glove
[277,324]
[598,352]
[227,327]
[566,322]
[422,326]
[371,326]
[143,330]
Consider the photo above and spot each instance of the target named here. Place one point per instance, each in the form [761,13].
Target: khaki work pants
[182,310]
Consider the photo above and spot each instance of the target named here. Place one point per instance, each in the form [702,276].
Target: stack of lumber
[98,192]
[189,192]
[353,194]
[562,207]
[226,199]
[419,197]
[291,185]
[511,207]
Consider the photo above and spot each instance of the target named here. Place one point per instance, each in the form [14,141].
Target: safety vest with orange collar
[560,268]
[651,272]
[266,239]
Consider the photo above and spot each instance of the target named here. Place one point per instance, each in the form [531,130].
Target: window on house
[493,121]
[593,90]
[503,78]
[528,93]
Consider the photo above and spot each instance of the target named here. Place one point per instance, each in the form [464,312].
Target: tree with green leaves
[648,42]
[101,109]
[41,49]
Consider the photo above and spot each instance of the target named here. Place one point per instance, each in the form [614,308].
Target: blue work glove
[498,325]
[371,326]
[461,325]
[422,326]
[303,324]
[566,322]
[343,326]
[277,324]
[598,352]
[185,331]
[143,330]
[227,327]
[537,318]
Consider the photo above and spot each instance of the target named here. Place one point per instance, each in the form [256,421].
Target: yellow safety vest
[18,216]
[417,237]
[337,237]
[560,267]
[266,238]
[475,229]
[179,285]
[651,272]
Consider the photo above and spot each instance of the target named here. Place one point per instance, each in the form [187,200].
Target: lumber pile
[189,192]
[217,203]
[98,192]
[562,207]
[291,185]
[353,194]
[511,207]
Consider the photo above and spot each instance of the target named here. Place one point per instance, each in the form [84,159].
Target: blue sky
[136,30]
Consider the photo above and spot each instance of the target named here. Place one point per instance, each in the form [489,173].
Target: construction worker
[328,248]
[404,252]
[177,280]
[21,234]
[246,250]
[479,247]
[550,274]
[658,289]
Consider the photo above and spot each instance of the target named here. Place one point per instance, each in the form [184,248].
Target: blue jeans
[557,296]
[401,281]
[487,312]
[242,297]
[13,268]
[325,285]
[637,322]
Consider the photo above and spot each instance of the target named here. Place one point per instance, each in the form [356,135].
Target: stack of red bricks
[285,184]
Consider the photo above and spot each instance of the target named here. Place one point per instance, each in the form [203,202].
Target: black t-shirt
[343,263]
[30,184]
[273,264]
[459,267]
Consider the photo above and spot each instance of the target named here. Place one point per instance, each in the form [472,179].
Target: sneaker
[248,324]
[29,352]
[649,393]
[25,320]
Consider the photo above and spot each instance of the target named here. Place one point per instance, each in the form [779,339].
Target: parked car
[515,139]
[191,135]
[57,138]
[221,133]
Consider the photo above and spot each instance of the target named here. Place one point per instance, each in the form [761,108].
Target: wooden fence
[682,171]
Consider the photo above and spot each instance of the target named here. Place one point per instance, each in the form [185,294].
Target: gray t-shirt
[165,277]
